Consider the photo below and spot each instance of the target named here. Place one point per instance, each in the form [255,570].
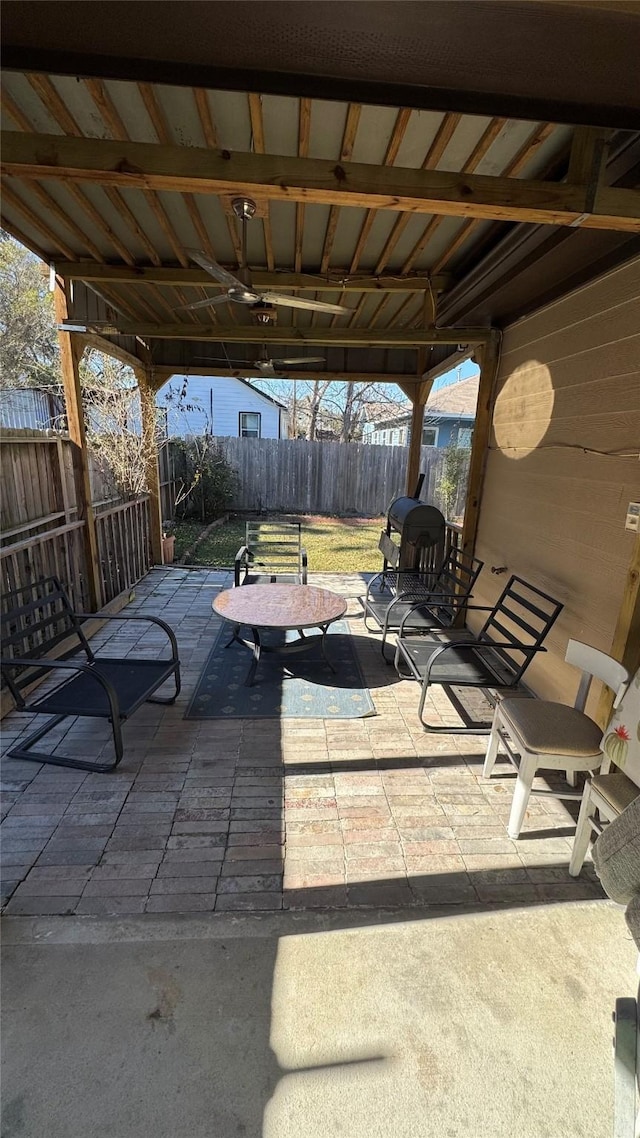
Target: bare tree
[113,417]
[348,405]
[318,391]
[331,405]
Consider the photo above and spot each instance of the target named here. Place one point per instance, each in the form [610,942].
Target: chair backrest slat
[34,620]
[275,545]
[522,615]
[457,574]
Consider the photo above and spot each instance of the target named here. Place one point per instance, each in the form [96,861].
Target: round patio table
[281,608]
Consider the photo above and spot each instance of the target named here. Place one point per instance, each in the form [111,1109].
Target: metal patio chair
[272,552]
[38,617]
[495,658]
[441,596]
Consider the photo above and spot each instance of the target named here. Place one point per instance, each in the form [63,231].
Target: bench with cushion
[35,620]
[441,594]
[494,658]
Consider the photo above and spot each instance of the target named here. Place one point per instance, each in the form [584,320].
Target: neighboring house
[222,406]
[448,421]
[31,408]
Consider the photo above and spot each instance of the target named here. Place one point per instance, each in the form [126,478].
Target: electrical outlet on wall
[633,517]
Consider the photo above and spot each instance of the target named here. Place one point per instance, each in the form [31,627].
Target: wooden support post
[71,350]
[418,393]
[415,444]
[488,357]
[625,645]
[150,446]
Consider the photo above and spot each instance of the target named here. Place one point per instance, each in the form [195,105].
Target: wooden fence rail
[41,534]
[297,476]
[124,546]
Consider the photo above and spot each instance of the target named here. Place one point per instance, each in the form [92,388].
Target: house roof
[456,400]
[264,395]
[385,412]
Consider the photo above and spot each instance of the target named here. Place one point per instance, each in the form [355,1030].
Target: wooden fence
[41,533]
[301,477]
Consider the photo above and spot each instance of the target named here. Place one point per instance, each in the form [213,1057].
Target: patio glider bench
[441,594]
[272,551]
[38,617]
[494,658]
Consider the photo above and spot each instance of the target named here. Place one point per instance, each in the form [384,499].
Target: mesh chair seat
[465,667]
[131,679]
[377,606]
[547,728]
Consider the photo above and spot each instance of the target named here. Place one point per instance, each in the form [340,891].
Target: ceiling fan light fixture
[244,208]
[264,314]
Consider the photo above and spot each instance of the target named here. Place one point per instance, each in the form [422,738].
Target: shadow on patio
[264,814]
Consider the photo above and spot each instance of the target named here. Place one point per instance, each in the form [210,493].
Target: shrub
[454,477]
[205,481]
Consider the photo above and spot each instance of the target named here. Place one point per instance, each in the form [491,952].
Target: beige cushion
[616,789]
[548,728]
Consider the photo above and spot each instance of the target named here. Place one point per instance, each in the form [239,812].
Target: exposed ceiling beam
[452,361]
[184,169]
[334,337]
[165,371]
[330,282]
[102,344]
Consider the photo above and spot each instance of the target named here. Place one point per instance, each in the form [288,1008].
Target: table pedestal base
[257,647]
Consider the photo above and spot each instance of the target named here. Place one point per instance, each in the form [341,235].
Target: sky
[463,371]
[279,389]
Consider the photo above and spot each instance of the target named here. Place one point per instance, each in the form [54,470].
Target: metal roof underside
[119,240]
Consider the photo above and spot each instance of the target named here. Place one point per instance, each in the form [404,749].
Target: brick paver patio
[251,815]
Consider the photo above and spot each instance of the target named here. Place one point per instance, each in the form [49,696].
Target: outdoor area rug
[298,685]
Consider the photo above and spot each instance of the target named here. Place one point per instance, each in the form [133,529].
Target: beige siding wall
[552,512]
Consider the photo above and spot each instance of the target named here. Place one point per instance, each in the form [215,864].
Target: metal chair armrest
[481,645]
[375,578]
[240,562]
[134,616]
[305,562]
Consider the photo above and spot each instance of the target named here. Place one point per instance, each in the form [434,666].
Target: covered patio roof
[373,190]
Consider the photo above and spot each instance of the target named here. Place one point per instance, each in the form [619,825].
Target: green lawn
[334,545]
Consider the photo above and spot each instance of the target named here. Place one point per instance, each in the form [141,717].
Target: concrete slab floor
[434,1024]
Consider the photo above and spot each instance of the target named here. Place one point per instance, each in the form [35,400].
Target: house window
[249,424]
[464,436]
[430,437]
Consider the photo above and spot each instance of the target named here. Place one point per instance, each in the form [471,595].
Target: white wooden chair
[610,792]
[553,736]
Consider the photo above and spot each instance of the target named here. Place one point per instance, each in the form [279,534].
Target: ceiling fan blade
[299,360]
[216,270]
[221,298]
[218,360]
[301,302]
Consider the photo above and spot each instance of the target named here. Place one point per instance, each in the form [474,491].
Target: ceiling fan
[239,289]
[265,365]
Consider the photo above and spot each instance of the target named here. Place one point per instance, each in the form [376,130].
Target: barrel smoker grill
[419,526]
